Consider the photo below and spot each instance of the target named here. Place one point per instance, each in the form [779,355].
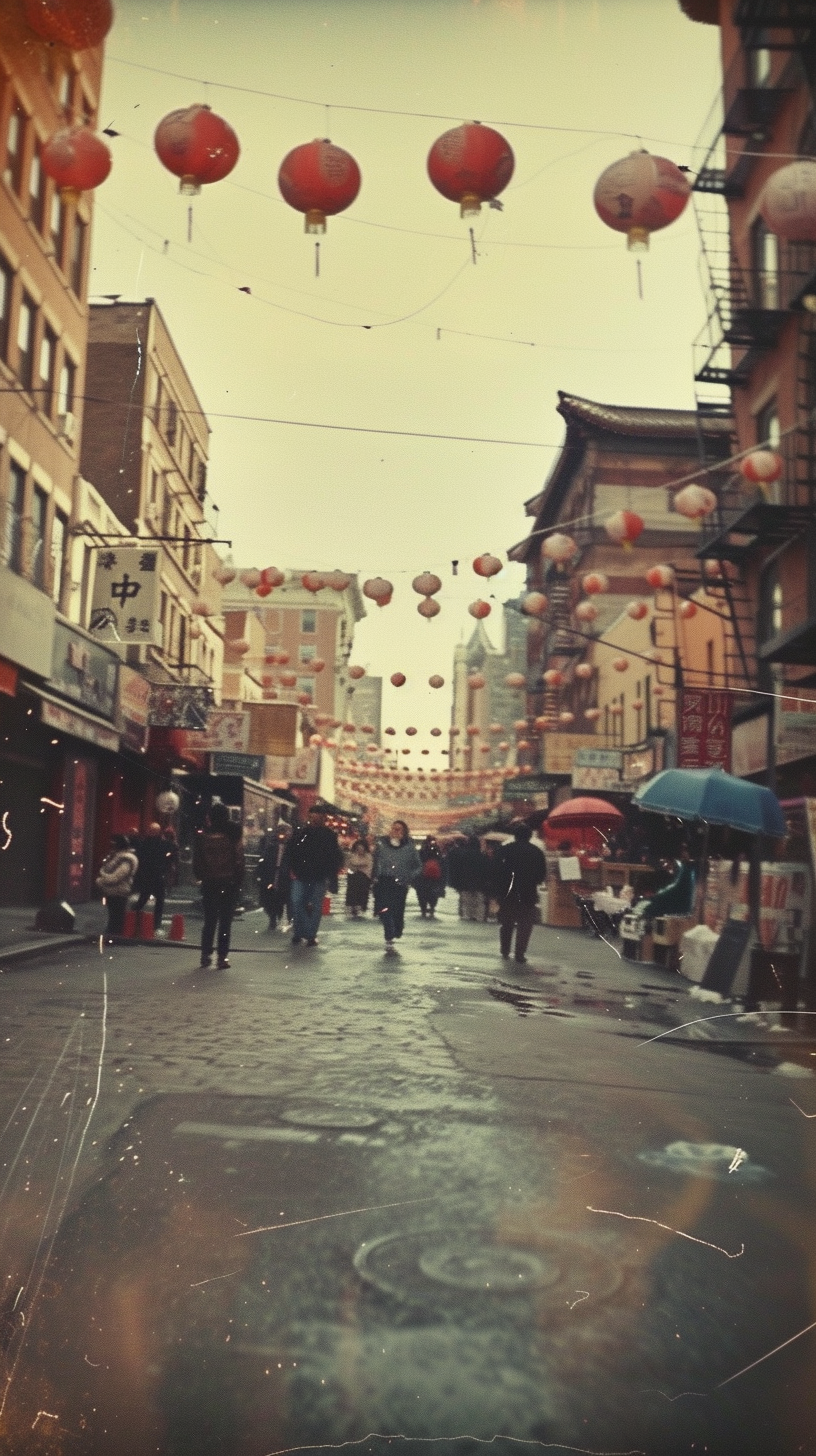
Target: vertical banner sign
[125,604]
[704,729]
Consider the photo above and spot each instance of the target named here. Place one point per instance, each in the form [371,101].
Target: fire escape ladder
[664,636]
[560,640]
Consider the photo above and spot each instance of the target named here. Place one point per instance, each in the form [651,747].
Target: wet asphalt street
[435,1202]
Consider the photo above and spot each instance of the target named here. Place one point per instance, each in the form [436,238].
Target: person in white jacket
[115,879]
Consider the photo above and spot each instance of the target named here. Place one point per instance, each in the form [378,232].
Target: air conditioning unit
[67,427]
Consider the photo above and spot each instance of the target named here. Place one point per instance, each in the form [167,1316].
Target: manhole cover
[425,1267]
[339,1117]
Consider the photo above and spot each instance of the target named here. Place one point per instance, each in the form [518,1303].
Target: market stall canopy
[715,797]
[582,813]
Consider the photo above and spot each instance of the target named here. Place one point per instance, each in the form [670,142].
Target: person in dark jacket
[153,854]
[396,866]
[430,882]
[274,878]
[315,860]
[218,862]
[523,869]
[472,869]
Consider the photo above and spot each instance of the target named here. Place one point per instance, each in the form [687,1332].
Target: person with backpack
[430,882]
[315,860]
[218,862]
[522,869]
[117,873]
[153,853]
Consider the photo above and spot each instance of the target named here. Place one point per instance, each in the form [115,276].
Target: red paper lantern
[479,609]
[660,577]
[411,732]
[263,589]
[694,502]
[586,611]
[428,607]
[637,704]
[319,180]
[356,672]
[391,731]
[288,679]
[197,146]
[637,610]
[788,201]
[397,679]
[623,528]
[273,577]
[523,745]
[761,467]
[251,577]
[476,680]
[595,582]
[514,680]
[566,717]
[470,164]
[639,195]
[436,681]
[337,581]
[304,699]
[584,671]
[426,584]
[487,565]
[496,728]
[687,610]
[534,604]
[378,590]
[78,24]
[316,665]
[559,548]
[553,678]
[592,714]
[436,732]
[77,160]
[473,730]
[620,664]
[313,581]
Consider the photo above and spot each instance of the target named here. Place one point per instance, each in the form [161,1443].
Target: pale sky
[452,348]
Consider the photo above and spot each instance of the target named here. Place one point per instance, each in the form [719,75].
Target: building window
[6,281]
[76,268]
[172,422]
[759,67]
[308,622]
[25,341]
[308,652]
[15,143]
[765,261]
[59,536]
[36,191]
[13,532]
[67,387]
[48,353]
[201,481]
[767,426]
[56,226]
[39,516]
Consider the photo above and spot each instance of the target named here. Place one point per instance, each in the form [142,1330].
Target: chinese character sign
[125,603]
[703,729]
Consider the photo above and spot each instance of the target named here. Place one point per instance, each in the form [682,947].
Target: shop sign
[180,705]
[133,709]
[527,786]
[559,750]
[301,768]
[273,729]
[596,778]
[78,725]
[26,624]
[639,764]
[226,732]
[703,728]
[597,758]
[125,601]
[749,747]
[241,765]
[84,671]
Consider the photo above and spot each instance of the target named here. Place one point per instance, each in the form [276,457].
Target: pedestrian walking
[359,864]
[274,877]
[396,866]
[524,868]
[430,882]
[153,853]
[218,862]
[472,870]
[117,873]
[315,860]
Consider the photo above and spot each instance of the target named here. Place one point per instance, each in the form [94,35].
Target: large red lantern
[470,164]
[623,528]
[487,565]
[639,195]
[77,160]
[319,180]
[559,548]
[197,146]
[378,590]
[788,201]
[761,467]
[78,24]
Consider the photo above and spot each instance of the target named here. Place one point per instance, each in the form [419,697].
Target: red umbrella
[582,816]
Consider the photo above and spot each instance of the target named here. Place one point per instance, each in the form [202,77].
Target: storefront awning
[75,721]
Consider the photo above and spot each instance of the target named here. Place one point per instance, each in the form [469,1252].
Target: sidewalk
[19,937]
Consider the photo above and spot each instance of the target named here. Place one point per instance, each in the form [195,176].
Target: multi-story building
[52,748]
[756,367]
[622,458]
[494,708]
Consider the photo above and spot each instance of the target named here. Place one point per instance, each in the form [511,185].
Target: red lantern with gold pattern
[470,164]
[319,180]
[197,146]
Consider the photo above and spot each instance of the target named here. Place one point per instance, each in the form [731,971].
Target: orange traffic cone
[326,905]
[129,927]
[176,928]
[145,925]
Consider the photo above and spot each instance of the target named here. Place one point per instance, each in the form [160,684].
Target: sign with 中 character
[125,602]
